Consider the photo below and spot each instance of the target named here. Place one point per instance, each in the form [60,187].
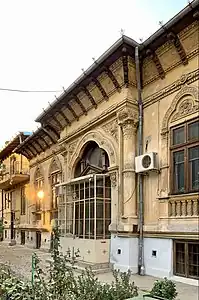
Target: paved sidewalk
[19,259]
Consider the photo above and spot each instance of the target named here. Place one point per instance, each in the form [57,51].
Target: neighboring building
[14,179]
[86,148]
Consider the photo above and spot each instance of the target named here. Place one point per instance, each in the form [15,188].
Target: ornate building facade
[82,158]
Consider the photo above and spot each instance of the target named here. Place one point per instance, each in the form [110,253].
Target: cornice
[101,118]
[178,63]
[175,86]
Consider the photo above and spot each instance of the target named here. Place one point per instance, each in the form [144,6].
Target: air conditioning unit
[146,162]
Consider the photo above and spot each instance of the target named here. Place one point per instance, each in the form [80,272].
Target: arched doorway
[91,194]
[88,197]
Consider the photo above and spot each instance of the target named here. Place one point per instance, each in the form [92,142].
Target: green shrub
[61,283]
[164,288]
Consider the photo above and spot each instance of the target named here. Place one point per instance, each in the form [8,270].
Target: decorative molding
[112,129]
[113,178]
[105,115]
[185,107]
[176,85]
[76,148]
[128,121]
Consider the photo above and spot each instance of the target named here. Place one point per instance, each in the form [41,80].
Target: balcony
[179,213]
[16,175]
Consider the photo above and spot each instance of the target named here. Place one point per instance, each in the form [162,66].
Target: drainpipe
[141,267]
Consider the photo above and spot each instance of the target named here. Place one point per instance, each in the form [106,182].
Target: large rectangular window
[85,209]
[186,259]
[185,158]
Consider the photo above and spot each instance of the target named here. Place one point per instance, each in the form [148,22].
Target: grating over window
[85,209]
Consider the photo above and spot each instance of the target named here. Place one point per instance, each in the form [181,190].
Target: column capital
[128,120]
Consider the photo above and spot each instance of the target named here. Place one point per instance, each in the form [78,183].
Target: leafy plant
[61,283]
[164,288]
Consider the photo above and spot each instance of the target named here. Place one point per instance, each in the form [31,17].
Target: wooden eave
[175,25]
[41,140]
[9,148]
[90,76]
[123,48]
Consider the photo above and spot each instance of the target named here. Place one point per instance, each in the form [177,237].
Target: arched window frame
[54,178]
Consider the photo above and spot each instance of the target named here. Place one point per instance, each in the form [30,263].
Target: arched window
[88,197]
[55,178]
[39,182]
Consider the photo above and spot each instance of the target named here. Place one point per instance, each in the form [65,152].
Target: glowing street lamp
[40,195]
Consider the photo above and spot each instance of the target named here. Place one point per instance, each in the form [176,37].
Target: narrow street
[19,259]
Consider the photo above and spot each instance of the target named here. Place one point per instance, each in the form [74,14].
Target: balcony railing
[184,207]
[13,175]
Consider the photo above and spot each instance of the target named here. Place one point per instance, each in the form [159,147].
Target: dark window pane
[108,210]
[180,258]
[178,136]
[99,209]
[81,209]
[194,168]
[193,131]
[193,257]
[178,163]
[100,228]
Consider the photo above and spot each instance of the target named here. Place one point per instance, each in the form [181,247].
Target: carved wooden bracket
[40,145]
[49,135]
[125,66]
[64,117]
[30,151]
[35,148]
[44,141]
[72,111]
[113,79]
[90,97]
[56,121]
[80,104]
[157,63]
[100,87]
[175,40]
[53,130]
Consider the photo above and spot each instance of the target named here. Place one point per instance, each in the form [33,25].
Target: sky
[44,44]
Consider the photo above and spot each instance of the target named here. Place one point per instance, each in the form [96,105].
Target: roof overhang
[9,148]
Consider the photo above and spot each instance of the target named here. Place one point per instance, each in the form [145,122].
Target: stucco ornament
[102,141]
[186,102]
[112,129]
[113,178]
[128,121]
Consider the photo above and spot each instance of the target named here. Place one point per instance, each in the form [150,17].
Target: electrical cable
[29,91]
[132,193]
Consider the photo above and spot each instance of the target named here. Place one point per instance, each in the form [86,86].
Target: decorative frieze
[176,85]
